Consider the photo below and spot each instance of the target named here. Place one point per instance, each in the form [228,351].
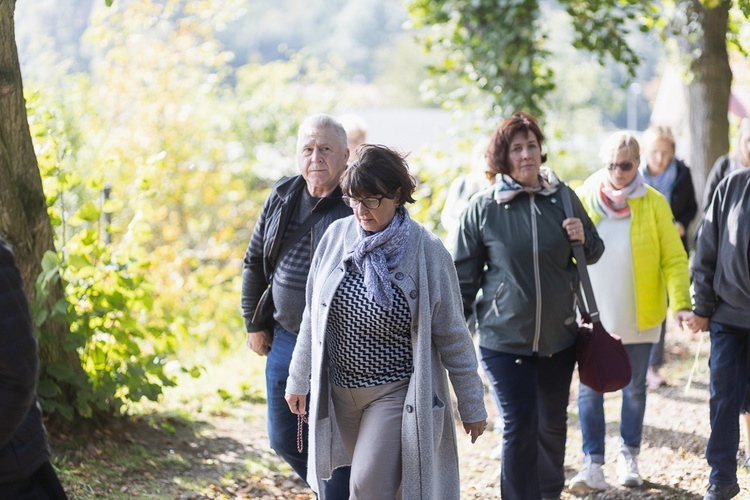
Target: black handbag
[603,362]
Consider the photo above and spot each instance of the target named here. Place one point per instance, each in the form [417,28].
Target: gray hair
[319,122]
[616,142]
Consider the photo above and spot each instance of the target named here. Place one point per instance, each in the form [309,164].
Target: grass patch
[204,438]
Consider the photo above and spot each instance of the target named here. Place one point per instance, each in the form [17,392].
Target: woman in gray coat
[383,324]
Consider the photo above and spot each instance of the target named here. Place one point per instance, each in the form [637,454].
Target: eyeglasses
[625,166]
[369,203]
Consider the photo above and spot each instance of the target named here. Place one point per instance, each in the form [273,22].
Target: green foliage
[503,49]
[187,148]
[117,326]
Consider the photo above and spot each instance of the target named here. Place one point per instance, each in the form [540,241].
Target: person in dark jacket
[25,468]
[731,162]
[514,244]
[290,226]
[671,177]
[721,300]
[736,160]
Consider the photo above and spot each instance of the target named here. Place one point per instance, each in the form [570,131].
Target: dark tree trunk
[24,221]
[708,91]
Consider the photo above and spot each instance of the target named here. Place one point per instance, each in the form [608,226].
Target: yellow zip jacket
[659,260]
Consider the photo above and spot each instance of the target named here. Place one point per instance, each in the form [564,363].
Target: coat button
[413,294]
[399,276]
[409,409]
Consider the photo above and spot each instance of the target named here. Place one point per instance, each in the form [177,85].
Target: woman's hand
[476,429]
[296,403]
[574,227]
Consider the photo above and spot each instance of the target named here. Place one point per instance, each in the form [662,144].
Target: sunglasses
[625,166]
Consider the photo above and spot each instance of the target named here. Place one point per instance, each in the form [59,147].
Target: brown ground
[217,449]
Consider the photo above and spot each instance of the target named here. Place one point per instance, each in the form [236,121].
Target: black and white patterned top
[367,345]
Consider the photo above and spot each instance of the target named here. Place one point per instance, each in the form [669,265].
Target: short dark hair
[378,171]
[497,152]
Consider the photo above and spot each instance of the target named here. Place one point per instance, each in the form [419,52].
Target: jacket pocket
[493,309]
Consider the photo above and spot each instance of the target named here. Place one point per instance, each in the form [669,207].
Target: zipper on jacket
[537,279]
[494,308]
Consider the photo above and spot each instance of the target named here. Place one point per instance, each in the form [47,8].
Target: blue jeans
[728,382]
[282,423]
[591,408]
[657,349]
[533,393]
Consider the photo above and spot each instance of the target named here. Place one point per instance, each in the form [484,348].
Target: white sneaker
[627,469]
[590,478]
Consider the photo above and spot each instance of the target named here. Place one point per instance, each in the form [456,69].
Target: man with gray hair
[274,275]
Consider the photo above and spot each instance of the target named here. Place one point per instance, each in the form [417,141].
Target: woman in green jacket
[644,263]
[514,246]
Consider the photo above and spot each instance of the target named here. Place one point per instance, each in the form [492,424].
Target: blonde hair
[616,142]
[658,132]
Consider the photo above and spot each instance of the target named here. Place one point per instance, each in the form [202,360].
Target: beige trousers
[369,420]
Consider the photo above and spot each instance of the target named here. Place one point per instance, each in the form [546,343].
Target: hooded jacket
[518,254]
[721,265]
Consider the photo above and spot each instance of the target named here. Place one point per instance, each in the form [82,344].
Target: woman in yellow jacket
[644,263]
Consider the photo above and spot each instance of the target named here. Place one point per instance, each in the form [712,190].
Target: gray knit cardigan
[441,344]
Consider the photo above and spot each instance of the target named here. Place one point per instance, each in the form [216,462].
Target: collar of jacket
[294,185]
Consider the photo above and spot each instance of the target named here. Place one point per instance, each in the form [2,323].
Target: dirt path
[229,451]
[676,430]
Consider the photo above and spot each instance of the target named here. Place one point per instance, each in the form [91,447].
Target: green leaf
[78,261]
[89,212]
[50,261]
[60,370]
[46,388]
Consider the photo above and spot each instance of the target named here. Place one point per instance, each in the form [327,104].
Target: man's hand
[697,323]
[260,342]
[296,403]
[476,429]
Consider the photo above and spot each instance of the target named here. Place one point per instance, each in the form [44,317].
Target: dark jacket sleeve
[470,253]
[18,350]
[718,172]
[254,280]
[703,265]
[683,203]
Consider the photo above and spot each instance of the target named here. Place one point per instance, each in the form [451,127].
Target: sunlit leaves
[187,148]
[502,49]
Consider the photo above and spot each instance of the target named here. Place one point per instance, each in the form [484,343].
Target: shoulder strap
[298,234]
[583,272]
